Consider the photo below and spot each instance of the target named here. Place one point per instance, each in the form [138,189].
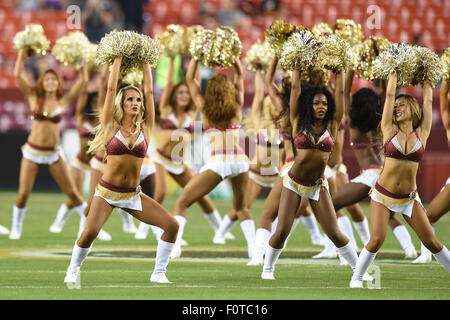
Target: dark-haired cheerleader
[315,118]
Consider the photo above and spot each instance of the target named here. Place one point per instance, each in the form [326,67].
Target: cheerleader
[366,142]
[405,134]
[263,169]
[315,118]
[126,123]
[440,205]
[268,221]
[176,110]
[47,104]
[86,118]
[221,115]
[87,110]
[98,168]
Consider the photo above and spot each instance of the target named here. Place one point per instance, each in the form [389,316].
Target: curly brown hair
[220,101]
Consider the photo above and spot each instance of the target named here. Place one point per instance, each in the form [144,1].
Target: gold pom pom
[399,57]
[300,49]
[322,29]
[134,48]
[134,77]
[188,35]
[201,45]
[349,30]
[315,77]
[445,58]
[429,67]
[278,33]
[367,52]
[258,57]
[227,45]
[89,57]
[219,48]
[72,49]
[171,40]
[33,39]
[335,53]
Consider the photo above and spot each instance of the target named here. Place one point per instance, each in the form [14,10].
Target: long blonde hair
[416,111]
[98,143]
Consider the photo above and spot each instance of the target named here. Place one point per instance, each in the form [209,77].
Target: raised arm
[80,107]
[272,88]
[383,89]
[296,90]
[165,95]
[258,98]
[103,84]
[107,114]
[444,104]
[24,86]
[348,82]
[339,99]
[239,82]
[193,86]
[149,103]
[427,111]
[388,108]
[83,78]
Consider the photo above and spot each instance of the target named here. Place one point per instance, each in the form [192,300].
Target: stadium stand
[425,21]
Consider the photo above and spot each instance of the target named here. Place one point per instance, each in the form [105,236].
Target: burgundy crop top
[393,149]
[86,130]
[118,145]
[54,117]
[170,123]
[305,140]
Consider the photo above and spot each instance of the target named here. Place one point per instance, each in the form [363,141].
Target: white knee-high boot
[261,239]
[443,257]
[214,219]
[248,228]
[362,228]
[348,252]
[346,228]
[404,238]
[163,252]
[73,271]
[176,252]
[365,259]
[61,217]
[225,226]
[270,259]
[17,222]
[310,223]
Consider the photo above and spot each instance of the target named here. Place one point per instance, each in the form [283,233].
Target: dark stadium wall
[11,143]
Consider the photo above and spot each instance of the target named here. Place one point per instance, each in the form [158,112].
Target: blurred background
[423,22]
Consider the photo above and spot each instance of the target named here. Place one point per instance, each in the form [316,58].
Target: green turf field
[34,266]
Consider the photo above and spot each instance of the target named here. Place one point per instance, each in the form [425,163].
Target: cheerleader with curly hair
[221,115]
[176,110]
